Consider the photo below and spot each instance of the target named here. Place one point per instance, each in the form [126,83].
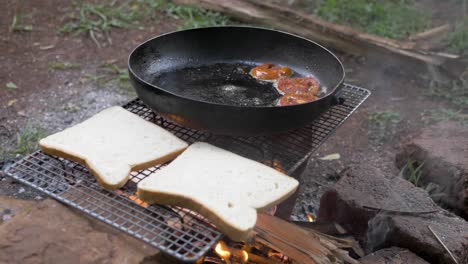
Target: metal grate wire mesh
[176,231]
[283,151]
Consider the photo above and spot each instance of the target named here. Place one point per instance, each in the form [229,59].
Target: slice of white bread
[224,187]
[112,143]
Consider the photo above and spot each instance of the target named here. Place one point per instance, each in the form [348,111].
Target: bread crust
[155,197]
[134,167]
[220,185]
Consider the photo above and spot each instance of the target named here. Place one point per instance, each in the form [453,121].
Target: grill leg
[285,208]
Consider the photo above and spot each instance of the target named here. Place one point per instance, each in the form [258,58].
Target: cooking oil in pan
[223,83]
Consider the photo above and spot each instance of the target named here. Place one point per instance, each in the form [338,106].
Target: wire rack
[176,231]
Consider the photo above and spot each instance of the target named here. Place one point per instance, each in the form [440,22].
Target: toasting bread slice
[112,143]
[222,186]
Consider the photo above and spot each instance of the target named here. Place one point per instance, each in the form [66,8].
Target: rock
[393,255]
[444,150]
[413,233]
[49,232]
[366,186]
[403,219]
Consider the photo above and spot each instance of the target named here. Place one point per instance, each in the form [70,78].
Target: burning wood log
[302,245]
[225,252]
[337,36]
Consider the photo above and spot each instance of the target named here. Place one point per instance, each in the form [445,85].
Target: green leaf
[11,85]
[334,156]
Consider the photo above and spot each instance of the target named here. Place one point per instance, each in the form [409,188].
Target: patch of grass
[117,75]
[3,155]
[96,20]
[27,139]
[414,171]
[63,66]
[111,74]
[446,115]
[384,118]
[391,18]
[18,24]
[454,92]
[381,125]
[151,8]
[457,41]
[192,16]
[92,77]
[71,108]
[195,17]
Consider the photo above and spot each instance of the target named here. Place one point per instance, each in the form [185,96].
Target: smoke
[378,229]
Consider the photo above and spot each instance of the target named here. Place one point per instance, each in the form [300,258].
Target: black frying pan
[200,78]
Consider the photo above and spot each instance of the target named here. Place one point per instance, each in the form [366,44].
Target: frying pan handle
[337,99]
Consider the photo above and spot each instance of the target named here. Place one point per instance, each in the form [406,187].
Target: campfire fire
[222,251]
[277,166]
[226,251]
[133,197]
[231,255]
[229,252]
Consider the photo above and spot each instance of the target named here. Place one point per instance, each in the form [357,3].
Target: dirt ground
[54,99]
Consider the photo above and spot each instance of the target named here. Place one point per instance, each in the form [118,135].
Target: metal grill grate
[173,230]
[284,151]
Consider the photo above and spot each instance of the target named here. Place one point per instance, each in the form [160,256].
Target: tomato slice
[299,86]
[296,90]
[292,99]
[270,72]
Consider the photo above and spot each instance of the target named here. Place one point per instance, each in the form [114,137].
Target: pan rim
[136,76]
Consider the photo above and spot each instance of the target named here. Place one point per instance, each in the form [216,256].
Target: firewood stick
[337,36]
[400,212]
[261,260]
[252,257]
[433,32]
[299,244]
[239,253]
[443,245]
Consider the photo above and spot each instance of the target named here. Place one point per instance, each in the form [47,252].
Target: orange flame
[275,254]
[310,218]
[245,256]
[138,201]
[222,251]
[277,166]
[134,198]
[227,253]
